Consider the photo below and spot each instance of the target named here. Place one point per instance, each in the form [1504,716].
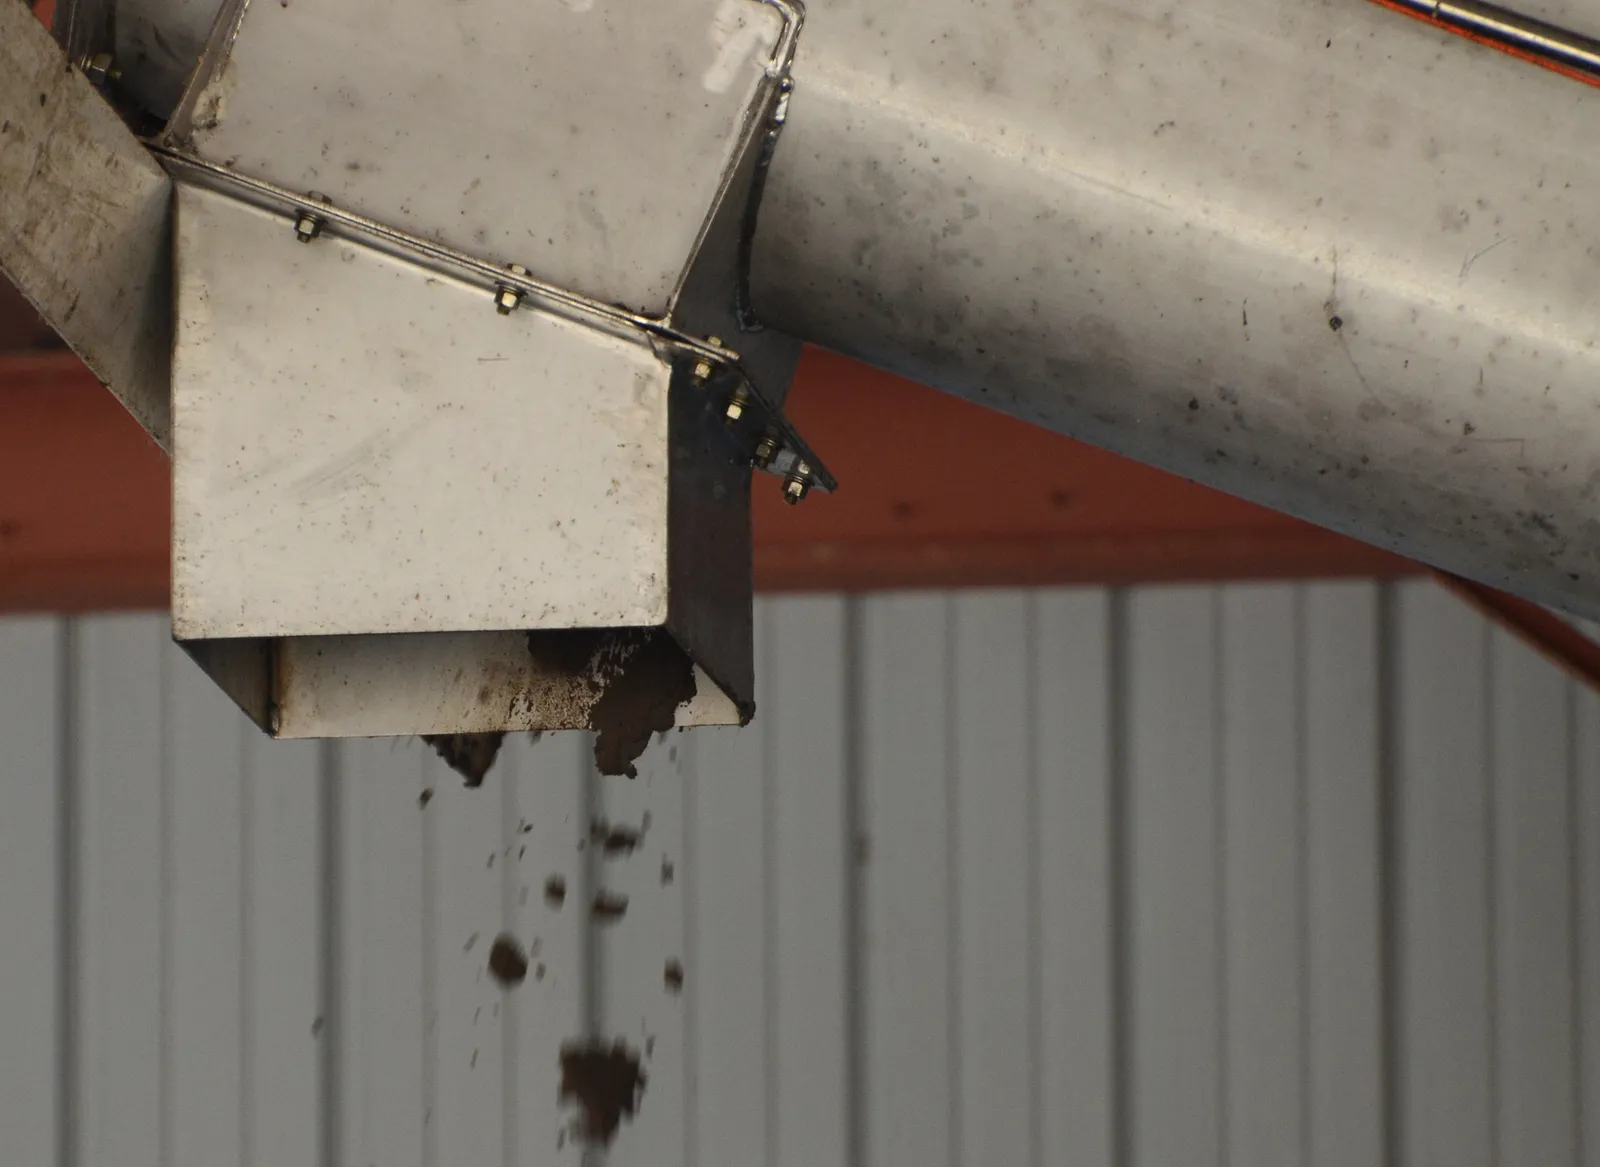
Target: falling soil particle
[538,971]
[649,1047]
[555,891]
[639,699]
[667,871]
[468,754]
[425,797]
[609,907]
[525,828]
[316,1026]
[471,940]
[615,840]
[674,976]
[606,1083]
[508,964]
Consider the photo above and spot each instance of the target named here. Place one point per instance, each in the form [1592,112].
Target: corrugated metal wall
[1248,876]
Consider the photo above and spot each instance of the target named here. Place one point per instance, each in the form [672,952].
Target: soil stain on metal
[468,754]
[555,891]
[635,677]
[605,1082]
[609,907]
[508,964]
[641,699]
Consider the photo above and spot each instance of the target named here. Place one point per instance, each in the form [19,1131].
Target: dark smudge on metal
[636,677]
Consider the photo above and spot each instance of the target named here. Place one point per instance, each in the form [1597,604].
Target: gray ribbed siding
[1247,875]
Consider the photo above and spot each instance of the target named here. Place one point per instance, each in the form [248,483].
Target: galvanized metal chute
[460,446]
[1318,256]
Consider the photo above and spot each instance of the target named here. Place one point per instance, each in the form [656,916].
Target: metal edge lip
[489,276]
[794,18]
[756,129]
[478,272]
[213,58]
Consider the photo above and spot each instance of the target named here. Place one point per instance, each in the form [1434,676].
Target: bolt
[736,404]
[766,451]
[100,68]
[507,298]
[702,367]
[307,227]
[798,484]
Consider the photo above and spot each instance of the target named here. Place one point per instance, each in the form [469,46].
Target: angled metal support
[84,220]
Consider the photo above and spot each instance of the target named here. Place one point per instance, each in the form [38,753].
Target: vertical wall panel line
[510,1003]
[1491,851]
[68,898]
[430,995]
[248,946]
[1575,924]
[165,970]
[1035,912]
[1121,956]
[952,955]
[1302,847]
[331,952]
[1219,868]
[592,971]
[854,922]
[689,878]
[1390,1003]
[770,1001]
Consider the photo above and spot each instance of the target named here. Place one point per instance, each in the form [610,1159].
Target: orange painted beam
[84,511]
[936,492]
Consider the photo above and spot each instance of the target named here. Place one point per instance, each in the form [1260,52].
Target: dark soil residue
[605,1082]
[555,891]
[639,699]
[468,754]
[635,679]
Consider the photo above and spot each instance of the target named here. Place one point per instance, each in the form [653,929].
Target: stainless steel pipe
[1305,251]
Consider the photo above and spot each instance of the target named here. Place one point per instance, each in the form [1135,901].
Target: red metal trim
[937,492]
